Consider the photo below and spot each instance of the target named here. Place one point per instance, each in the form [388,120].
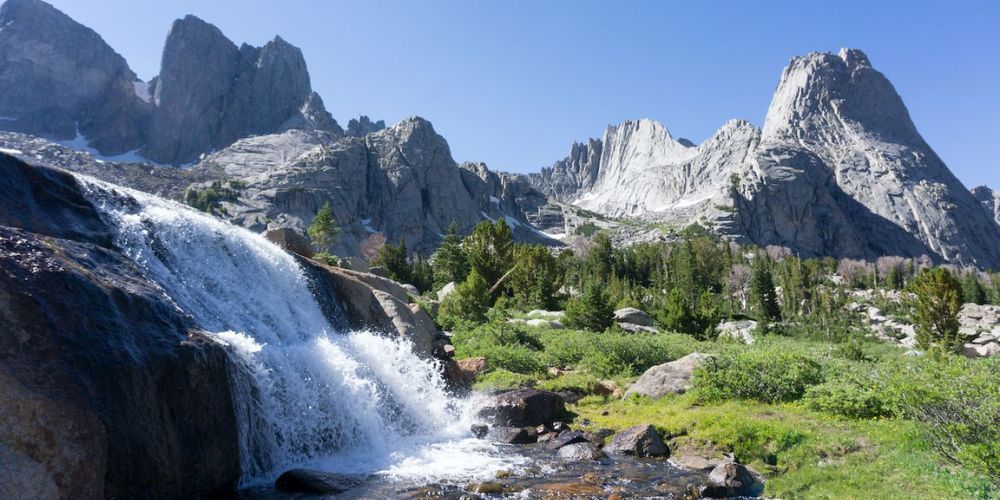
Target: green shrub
[957,401]
[853,394]
[591,311]
[766,374]
[615,352]
[468,304]
[504,346]
[503,379]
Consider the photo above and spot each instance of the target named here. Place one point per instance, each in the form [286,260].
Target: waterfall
[305,393]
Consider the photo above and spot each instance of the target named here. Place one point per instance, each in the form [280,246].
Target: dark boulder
[640,440]
[316,482]
[730,479]
[106,389]
[524,407]
[513,435]
[566,438]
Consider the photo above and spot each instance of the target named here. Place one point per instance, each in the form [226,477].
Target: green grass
[803,454]
[844,429]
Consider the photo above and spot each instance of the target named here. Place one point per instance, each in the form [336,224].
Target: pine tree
[763,298]
[536,279]
[973,291]
[422,275]
[590,311]
[490,251]
[450,263]
[469,303]
[935,310]
[600,258]
[323,229]
[678,316]
[394,260]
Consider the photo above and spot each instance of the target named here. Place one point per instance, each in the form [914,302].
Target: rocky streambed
[548,455]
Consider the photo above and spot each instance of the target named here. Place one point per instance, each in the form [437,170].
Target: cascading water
[308,395]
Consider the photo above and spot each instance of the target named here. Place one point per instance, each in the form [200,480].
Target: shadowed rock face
[211,93]
[59,79]
[106,389]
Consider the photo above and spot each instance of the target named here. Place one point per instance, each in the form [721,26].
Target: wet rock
[669,378]
[598,436]
[291,241]
[471,367]
[633,316]
[513,435]
[480,430]
[524,407]
[731,479]
[694,462]
[314,481]
[640,440]
[488,488]
[566,438]
[581,451]
[106,388]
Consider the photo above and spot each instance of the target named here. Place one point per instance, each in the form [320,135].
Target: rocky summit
[60,80]
[838,169]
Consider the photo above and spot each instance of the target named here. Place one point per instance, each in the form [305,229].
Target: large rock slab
[669,378]
[640,440]
[633,316]
[524,407]
[106,389]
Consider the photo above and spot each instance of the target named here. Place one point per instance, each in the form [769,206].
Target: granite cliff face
[990,199]
[211,93]
[400,181]
[838,169]
[60,79]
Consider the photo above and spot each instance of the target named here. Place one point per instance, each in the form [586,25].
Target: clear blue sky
[515,83]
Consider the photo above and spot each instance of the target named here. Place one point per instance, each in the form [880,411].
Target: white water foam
[307,395]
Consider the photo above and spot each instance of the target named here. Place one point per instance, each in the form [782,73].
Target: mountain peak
[854,57]
[827,92]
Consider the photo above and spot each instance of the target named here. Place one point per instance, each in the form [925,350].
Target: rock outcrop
[838,169]
[60,79]
[210,93]
[360,127]
[990,199]
[107,390]
[667,378]
[400,181]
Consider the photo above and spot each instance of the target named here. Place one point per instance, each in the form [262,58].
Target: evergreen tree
[469,303]
[590,311]
[600,258]
[935,310]
[763,298]
[422,275]
[490,251]
[677,315]
[450,262]
[393,259]
[536,279]
[973,291]
[323,229]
